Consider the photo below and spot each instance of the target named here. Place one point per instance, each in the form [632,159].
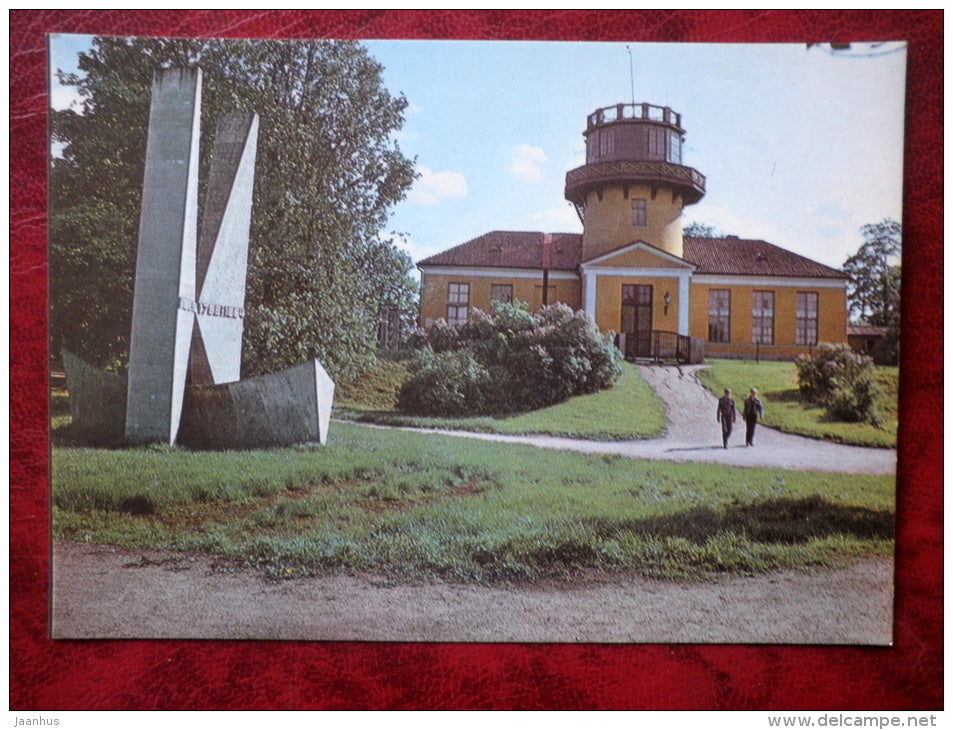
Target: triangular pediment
[641,255]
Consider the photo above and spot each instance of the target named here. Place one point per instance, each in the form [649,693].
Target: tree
[873,288]
[327,172]
[701,230]
[391,271]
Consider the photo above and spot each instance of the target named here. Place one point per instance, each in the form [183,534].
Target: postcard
[465,341]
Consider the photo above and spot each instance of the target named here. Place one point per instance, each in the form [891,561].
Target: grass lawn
[422,506]
[784,409]
[628,410]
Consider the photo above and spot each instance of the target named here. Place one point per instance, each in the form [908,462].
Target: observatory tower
[633,186]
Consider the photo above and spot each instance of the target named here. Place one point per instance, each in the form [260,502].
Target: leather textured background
[165,675]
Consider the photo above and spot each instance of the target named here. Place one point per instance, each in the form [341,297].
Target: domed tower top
[633,179]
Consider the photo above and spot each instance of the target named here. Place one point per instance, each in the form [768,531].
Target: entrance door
[637,319]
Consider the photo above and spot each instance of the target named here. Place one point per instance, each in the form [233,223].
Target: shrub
[842,381]
[445,384]
[510,360]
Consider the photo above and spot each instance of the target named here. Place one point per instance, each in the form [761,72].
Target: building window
[501,293]
[639,213]
[674,148]
[762,318]
[805,323]
[606,143]
[657,137]
[457,300]
[600,145]
[719,315]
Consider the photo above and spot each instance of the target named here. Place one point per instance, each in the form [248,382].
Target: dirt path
[694,435]
[101,592]
[105,592]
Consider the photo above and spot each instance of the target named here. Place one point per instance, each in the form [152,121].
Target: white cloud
[432,187]
[525,162]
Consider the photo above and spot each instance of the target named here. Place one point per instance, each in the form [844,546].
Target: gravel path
[694,435]
[101,592]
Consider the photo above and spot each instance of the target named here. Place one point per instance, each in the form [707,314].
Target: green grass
[628,410]
[422,506]
[376,389]
[59,409]
[785,410]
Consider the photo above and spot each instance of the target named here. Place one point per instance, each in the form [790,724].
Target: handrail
[657,345]
[653,168]
[640,111]
[670,346]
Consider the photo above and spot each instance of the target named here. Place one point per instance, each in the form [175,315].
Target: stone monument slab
[291,406]
[165,265]
[222,257]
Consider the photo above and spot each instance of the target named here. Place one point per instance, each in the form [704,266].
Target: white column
[683,303]
[589,293]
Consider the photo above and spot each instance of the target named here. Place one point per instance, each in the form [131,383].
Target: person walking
[753,412]
[726,415]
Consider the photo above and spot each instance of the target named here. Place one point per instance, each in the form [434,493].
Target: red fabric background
[161,675]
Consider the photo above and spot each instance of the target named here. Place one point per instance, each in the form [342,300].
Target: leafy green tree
[391,270]
[328,171]
[873,289]
[701,230]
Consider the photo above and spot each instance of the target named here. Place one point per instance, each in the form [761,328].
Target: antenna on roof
[631,73]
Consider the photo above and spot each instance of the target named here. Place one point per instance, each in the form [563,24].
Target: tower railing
[640,168]
[587,176]
[641,111]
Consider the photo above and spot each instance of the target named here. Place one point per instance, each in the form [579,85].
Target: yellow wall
[609,302]
[434,290]
[831,319]
[609,221]
[832,308]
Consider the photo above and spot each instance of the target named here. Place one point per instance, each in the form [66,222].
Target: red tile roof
[512,250]
[746,257]
[723,256]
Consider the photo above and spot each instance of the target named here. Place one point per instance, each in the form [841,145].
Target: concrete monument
[222,257]
[165,265]
[189,301]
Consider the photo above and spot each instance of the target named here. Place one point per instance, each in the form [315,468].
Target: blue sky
[800,146]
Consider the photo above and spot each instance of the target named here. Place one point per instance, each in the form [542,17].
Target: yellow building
[632,269]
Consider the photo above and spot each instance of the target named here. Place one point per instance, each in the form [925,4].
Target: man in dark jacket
[753,412]
[726,415]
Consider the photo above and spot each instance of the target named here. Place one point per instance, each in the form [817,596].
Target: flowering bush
[510,360]
[445,384]
[841,380]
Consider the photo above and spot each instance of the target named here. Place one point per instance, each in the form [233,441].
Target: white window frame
[640,213]
[762,317]
[717,311]
[458,302]
[806,318]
